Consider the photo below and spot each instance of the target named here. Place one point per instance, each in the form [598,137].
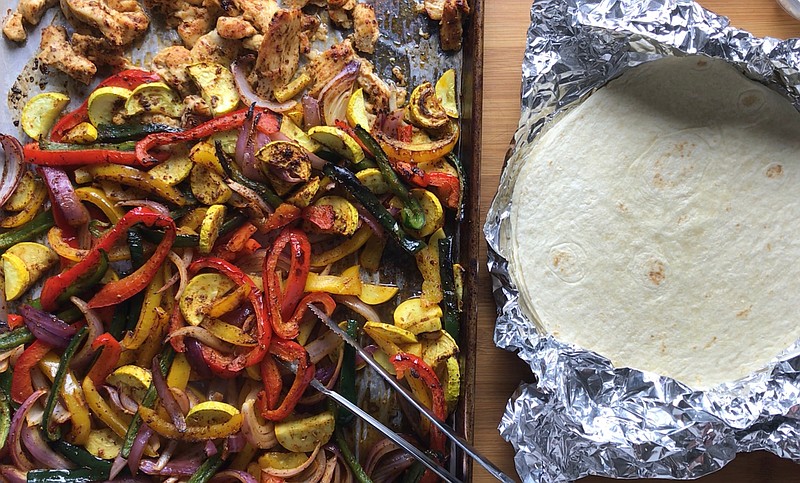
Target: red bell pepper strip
[34,154]
[107,360]
[21,385]
[449,185]
[416,367]
[129,79]
[293,352]
[280,305]
[268,124]
[273,382]
[284,214]
[227,365]
[14,321]
[120,290]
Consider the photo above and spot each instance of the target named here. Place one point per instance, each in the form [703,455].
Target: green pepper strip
[45,145]
[29,231]
[412,214]
[83,458]
[207,470]
[232,172]
[5,418]
[347,179]
[119,320]
[358,471]
[58,381]
[347,376]
[81,475]
[462,184]
[129,132]
[15,338]
[149,399]
[450,300]
[81,286]
[185,241]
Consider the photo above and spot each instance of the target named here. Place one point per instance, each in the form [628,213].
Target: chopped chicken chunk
[55,51]
[450,29]
[213,48]
[279,55]
[253,43]
[310,26]
[195,21]
[340,17]
[343,4]
[32,10]
[120,21]
[234,28]
[170,64]
[258,12]
[100,51]
[365,32]
[295,3]
[434,9]
[326,65]
[378,91]
[13,28]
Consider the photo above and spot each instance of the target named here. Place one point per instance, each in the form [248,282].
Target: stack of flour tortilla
[657,223]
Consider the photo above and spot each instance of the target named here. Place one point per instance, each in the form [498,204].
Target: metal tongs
[419,455]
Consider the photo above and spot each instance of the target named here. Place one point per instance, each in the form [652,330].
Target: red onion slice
[37,447]
[138,446]
[167,398]
[13,166]
[47,327]
[13,475]
[260,434]
[358,306]
[15,431]
[280,473]
[312,115]
[95,325]
[248,95]
[229,476]
[64,197]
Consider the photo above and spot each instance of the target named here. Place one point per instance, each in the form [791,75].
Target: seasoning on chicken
[450,28]
[258,12]
[100,51]
[279,54]
[13,28]
[365,28]
[211,47]
[434,9]
[170,64]
[120,21]
[379,91]
[326,65]
[55,51]
[234,28]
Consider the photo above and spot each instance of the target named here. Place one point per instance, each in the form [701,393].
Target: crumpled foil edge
[584,416]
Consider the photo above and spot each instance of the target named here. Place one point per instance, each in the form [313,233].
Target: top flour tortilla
[657,223]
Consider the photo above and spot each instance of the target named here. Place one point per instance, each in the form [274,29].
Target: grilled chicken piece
[253,43]
[340,17]
[343,4]
[213,48]
[13,28]
[326,65]
[120,21]
[195,21]
[55,51]
[100,51]
[365,30]
[295,3]
[170,64]
[32,10]
[279,54]
[434,9]
[377,90]
[258,12]
[234,28]
[450,29]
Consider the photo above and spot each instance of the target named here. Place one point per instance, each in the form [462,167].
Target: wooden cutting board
[499,372]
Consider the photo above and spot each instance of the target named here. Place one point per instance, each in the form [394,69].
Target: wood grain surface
[499,372]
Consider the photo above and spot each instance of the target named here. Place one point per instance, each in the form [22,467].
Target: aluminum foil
[584,416]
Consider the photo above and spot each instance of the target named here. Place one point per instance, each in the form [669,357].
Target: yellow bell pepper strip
[178,376]
[98,198]
[116,422]
[229,333]
[420,152]
[107,360]
[147,315]
[29,212]
[344,249]
[136,178]
[281,304]
[288,351]
[229,366]
[268,123]
[415,367]
[72,395]
[129,79]
[348,283]
[58,242]
[192,433]
[120,290]
[428,264]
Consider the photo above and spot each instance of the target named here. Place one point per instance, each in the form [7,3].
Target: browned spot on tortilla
[774,171]
[749,100]
[711,342]
[744,313]
[656,273]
